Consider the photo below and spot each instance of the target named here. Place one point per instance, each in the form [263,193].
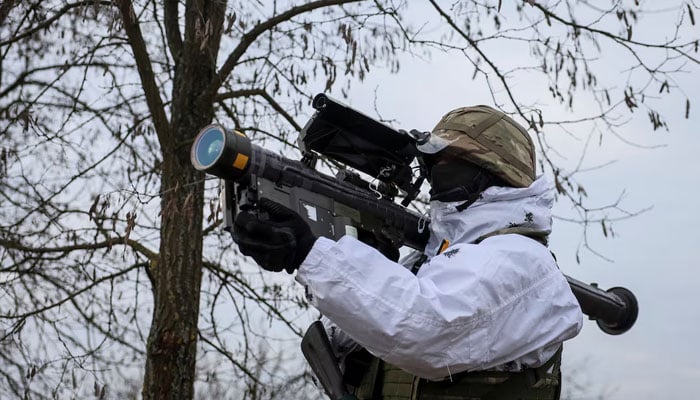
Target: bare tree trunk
[172,341]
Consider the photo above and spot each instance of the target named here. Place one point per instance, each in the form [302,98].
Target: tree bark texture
[171,348]
[172,341]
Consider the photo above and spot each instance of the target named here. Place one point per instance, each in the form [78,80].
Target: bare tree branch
[625,42]
[6,6]
[172,28]
[249,37]
[145,70]
[262,93]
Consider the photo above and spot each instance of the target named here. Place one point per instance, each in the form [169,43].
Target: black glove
[384,246]
[280,242]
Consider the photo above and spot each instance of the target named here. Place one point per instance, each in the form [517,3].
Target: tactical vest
[383,381]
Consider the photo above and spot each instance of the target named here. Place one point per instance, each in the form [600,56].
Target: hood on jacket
[497,208]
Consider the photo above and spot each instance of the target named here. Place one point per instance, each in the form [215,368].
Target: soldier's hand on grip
[280,242]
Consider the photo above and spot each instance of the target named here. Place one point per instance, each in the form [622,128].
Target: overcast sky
[654,254]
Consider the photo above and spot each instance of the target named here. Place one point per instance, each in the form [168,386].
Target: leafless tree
[114,268]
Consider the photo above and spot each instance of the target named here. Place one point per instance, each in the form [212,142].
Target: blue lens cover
[209,147]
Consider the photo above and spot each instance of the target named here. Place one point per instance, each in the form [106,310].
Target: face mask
[450,182]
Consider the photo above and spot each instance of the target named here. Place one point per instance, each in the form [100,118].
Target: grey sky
[654,254]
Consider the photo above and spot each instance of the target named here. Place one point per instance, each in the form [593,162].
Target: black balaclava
[458,180]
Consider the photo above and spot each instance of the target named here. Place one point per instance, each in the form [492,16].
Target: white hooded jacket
[502,303]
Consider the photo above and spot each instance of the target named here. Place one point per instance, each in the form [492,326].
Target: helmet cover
[487,138]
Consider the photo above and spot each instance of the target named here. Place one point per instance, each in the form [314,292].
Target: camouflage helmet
[487,138]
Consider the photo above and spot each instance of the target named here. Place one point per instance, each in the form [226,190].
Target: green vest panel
[383,381]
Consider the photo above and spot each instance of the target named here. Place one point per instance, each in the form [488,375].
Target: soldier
[481,314]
